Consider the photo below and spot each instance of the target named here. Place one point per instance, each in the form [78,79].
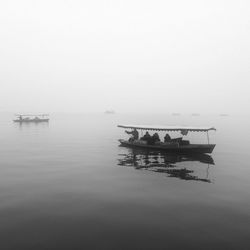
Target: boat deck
[31,120]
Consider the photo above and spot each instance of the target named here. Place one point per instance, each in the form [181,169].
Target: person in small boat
[134,133]
[147,138]
[155,138]
[167,138]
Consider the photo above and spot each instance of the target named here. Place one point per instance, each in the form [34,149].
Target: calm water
[67,185]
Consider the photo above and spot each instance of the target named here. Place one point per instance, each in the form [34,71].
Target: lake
[67,184]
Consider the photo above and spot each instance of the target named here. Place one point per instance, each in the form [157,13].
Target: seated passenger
[134,133]
[146,137]
[156,138]
[167,138]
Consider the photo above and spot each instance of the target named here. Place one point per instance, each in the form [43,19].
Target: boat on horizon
[176,114]
[109,112]
[26,118]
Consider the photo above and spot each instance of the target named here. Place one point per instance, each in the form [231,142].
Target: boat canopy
[168,128]
[31,115]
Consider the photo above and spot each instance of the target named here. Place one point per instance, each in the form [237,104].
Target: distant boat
[195,114]
[31,118]
[109,112]
[224,115]
[176,114]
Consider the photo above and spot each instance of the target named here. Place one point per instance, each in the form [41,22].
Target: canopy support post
[207,138]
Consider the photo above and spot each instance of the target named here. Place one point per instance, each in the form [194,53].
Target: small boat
[31,118]
[176,114]
[177,145]
[109,112]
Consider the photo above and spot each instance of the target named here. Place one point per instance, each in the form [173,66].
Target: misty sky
[130,56]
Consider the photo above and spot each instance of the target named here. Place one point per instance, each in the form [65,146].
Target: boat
[109,112]
[177,145]
[31,118]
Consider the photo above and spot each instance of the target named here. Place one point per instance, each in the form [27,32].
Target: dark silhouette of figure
[156,138]
[146,137]
[134,133]
[167,138]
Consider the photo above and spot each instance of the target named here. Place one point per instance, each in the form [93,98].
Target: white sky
[130,56]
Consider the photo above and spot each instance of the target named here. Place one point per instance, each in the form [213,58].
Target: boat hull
[31,120]
[191,148]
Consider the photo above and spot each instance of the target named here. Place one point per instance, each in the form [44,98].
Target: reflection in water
[22,125]
[166,163]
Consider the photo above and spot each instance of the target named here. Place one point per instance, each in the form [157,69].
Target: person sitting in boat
[156,138]
[167,138]
[134,133]
[147,137]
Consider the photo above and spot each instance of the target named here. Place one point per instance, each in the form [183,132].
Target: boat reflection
[168,164]
[27,125]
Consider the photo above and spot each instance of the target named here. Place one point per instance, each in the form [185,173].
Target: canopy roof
[167,128]
[32,115]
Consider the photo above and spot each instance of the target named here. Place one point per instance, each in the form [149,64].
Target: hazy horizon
[128,56]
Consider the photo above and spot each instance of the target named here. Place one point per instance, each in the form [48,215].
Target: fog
[130,56]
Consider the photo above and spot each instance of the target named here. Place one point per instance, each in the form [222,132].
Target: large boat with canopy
[31,118]
[178,145]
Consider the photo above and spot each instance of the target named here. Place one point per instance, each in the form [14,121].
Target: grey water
[67,184]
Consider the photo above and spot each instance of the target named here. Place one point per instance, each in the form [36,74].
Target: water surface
[68,185]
